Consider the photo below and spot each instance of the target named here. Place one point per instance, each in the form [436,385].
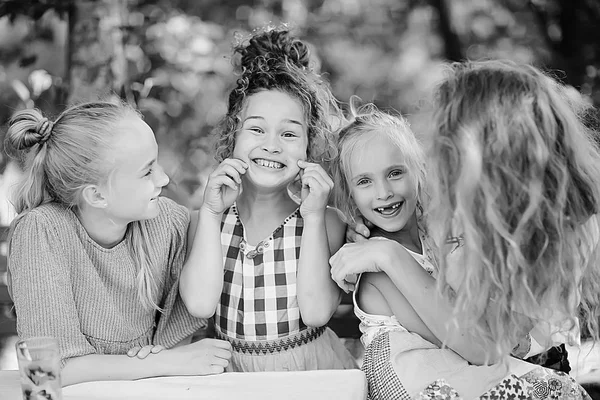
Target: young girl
[259,261]
[516,182]
[379,176]
[95,253]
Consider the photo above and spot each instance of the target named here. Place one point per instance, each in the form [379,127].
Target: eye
[290,134]
[150,170]
[397,173]
[362,182]
[256,130]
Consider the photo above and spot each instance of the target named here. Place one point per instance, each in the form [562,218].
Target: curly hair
[364,122]
[516,172]
[274,60]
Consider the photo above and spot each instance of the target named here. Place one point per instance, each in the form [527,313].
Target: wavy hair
[62,157]
[363,122]
[275,60]
[515,171]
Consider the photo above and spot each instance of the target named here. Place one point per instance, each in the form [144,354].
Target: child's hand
[316,186]
[224,185]
[143,352]
[358,232]
[204,357]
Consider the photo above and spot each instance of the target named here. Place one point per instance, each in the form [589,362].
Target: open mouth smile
[390,210]
[268,163]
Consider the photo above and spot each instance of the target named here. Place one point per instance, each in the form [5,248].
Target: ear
[94,197]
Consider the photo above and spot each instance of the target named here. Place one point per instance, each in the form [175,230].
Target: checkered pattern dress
[259,299]
[258,312]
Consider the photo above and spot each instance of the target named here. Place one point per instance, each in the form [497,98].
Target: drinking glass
[39,368]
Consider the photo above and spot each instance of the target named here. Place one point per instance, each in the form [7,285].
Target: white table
[305,385]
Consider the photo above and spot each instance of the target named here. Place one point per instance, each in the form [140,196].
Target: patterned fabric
[381,378]
[275,346]
[439,390]
[372,325]
[537,384]
[259,300]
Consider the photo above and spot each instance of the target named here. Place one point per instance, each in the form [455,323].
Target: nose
[160,178]
[383,190]
[271,143]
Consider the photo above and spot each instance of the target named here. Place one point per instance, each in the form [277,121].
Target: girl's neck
[101,228]
[261,213]
[407,236]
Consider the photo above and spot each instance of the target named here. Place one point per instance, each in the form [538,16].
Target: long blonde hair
[61,157]
[363,121]
[516,172]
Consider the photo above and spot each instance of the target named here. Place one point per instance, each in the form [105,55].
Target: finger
[157,349]
[322,179]
[224,180]
[143,353]
[318,171]
[223,344]
[238,164]
[222,353]
[215,369]
[220,362]
[363,225]
[133,351]
[230,171]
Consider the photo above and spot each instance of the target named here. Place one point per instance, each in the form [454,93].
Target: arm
[205,357]
[418,287]
[201,280]
[318,295]
[377,294]
[323,234]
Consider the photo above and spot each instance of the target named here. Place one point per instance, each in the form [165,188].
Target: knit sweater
[66,285]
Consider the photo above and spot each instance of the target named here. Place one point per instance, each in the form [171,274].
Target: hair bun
[270,49]
[28,128]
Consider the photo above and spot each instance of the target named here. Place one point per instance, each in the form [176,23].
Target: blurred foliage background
[172,57]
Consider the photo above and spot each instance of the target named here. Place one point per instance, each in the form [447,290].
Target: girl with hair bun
[95,253]
[259,261]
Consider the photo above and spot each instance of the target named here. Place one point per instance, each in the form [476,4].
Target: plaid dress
[258,312]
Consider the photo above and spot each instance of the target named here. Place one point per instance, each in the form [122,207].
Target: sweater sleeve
[39,278]
[176,323]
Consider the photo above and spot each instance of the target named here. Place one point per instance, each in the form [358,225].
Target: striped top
[259,299]
[66,285]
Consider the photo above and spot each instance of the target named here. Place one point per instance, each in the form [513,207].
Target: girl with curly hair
[259,262]
[515,194]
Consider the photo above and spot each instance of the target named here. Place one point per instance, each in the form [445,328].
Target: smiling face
[381,185]
[272,138]
[137,180]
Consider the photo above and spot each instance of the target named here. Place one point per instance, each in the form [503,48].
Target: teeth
[394,207]
[268,164]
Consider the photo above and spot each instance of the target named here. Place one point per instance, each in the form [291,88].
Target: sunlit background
[171,58]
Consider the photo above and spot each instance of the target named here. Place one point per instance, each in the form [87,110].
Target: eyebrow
[148,165]
[289,121]
[368,175]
